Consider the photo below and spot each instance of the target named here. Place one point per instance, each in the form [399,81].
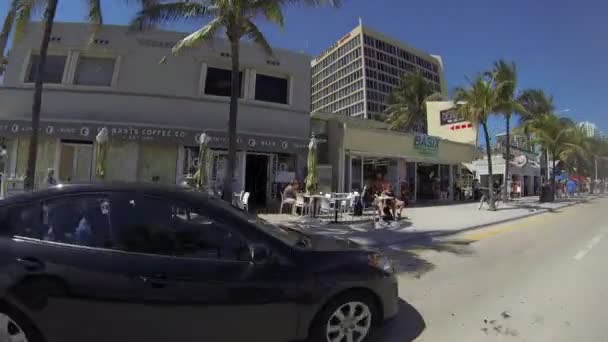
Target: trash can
[546,193]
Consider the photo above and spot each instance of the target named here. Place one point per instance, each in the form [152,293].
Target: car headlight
[381,262]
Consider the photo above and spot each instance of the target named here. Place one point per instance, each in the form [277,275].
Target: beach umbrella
[201,176]
[101,151]
[312,178]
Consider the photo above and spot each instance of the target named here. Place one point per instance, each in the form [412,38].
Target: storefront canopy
[187,137]
[421,148]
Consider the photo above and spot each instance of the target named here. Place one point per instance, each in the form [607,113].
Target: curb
[422,235]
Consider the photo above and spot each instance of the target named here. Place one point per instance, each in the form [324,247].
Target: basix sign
[426,143]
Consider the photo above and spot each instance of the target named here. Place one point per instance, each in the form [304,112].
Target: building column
[451,186]
[415,181]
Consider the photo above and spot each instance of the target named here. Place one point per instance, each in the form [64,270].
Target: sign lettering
[426,143]
[450,116]
[217,139]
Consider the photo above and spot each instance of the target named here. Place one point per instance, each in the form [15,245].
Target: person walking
[571,188]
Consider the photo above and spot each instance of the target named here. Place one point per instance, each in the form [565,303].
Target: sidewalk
[425,222]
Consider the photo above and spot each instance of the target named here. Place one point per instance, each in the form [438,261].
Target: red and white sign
[461,126]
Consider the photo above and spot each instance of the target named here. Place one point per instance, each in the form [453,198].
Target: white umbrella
[101,151]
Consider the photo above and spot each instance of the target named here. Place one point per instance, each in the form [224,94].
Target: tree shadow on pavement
[405,327]
[406,260]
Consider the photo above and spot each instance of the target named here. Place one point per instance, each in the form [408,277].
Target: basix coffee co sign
[88,131]
[426,144]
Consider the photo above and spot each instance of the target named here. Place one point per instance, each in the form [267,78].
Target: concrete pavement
[539,279]
[424,222]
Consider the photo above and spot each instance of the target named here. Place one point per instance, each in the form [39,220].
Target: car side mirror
[260,253]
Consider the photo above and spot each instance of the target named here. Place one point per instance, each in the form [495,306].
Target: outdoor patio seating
[287,201]
[245,202]
[300,203]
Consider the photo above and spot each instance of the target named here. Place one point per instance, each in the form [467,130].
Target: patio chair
[245,202]
[326,206]
[286,201]
[237,198]
[300,203]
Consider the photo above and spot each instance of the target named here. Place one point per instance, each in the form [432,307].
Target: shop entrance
[428,182]
[256,180]
[76,161]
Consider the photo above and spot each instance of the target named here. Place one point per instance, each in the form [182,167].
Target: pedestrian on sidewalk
[571,188]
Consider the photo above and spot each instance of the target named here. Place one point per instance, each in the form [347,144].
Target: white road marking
[582,253]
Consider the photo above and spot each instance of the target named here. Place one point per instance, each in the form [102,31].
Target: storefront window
[355,184]
[76,161]
[445,177]
[157,164]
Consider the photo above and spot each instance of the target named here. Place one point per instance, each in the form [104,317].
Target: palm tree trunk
[546,164]
[490,174]
[49,17]
[235,91]
[508,159]
[554,165]
[6,30]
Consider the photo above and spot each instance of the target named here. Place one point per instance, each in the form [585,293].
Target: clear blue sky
[558,45]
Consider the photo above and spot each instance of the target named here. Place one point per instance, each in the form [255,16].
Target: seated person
[383,204]
[290,192]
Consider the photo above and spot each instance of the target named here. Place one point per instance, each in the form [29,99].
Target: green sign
[426,143]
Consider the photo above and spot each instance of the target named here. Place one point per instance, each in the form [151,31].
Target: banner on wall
[218,139]
[450,116]
[426,144]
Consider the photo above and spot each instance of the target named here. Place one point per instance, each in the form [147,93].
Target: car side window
[159,226]
[79,220]
[26,220]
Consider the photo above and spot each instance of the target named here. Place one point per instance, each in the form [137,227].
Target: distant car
[145,263]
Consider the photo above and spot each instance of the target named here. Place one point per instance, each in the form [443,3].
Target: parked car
[146,263]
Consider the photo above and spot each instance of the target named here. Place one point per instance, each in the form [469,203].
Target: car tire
[17,324]
[327,326]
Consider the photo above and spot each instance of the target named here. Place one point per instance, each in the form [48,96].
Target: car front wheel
[15,327]
[348,318]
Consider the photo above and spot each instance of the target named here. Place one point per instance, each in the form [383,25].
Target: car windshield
[290,236]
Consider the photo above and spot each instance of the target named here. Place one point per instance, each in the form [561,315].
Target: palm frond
[25,10]
[271,9]
[253,33]
[195,38]
[94,12]
[314,3]
[167,13]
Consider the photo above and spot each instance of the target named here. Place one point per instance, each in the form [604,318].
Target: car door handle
[30,264]
[157,281]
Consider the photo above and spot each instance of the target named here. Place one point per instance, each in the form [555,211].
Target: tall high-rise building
[355,75]
[589,128]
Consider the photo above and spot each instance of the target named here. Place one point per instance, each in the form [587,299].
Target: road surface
[544,278]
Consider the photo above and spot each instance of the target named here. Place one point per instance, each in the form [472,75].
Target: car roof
[67,189]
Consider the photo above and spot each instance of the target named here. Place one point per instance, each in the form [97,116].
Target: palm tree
[22,10]
[505,74]
[236,19]
[535,104]
[406,109]
[553,134]
[476,103]
[7,27]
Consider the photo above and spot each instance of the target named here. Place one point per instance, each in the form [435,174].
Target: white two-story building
[155,111]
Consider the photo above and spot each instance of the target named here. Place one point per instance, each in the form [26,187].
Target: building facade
[355,75]
[589,128]
[423,167]
[155,112]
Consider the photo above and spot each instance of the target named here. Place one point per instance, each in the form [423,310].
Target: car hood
[321,243]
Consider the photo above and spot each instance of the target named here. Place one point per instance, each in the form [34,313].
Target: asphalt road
[544,278]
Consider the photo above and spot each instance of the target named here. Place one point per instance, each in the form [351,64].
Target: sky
[558,45]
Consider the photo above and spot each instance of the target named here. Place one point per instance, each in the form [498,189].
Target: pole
[595,180]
